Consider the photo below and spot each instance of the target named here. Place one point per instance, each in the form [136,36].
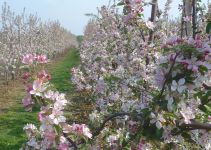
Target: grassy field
[12,115]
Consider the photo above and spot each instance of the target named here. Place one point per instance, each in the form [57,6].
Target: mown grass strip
[61,78]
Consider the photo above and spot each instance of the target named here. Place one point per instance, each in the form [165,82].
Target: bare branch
[168,75]
[195,125]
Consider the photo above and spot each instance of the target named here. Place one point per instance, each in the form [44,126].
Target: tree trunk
[188,12]
[194,18]
[153,18]
[182,21]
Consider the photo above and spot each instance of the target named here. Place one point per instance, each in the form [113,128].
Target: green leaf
[203,69]
[98,59]
[208,28]
[159,133]
[186,135]
[208,108]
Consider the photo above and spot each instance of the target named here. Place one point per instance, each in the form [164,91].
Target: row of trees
[21,34]
[149,81]
[149,85]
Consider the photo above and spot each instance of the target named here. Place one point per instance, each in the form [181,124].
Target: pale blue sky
[70,13]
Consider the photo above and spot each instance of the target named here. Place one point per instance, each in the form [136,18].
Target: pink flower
[28,102]
[141,145]
[133,126]
[150,25]
[138,1]
[174,40]
[51,95]
[191,64]
[209,118]
[100,86]
[50,136]
[38,88]
[44,75]
[63,146]
[187,114]
[57,117]
[41,59]
[160,77]
[26,75]
[41,116]
[30,130]
[29,88]
[28,59]
[113,141]
[82,129]
[129,17]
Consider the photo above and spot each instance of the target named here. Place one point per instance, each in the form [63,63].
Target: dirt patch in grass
[11,95]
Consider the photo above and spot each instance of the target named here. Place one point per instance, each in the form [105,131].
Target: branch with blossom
[54,132]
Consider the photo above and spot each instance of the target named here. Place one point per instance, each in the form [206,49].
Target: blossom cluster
[29,59]
[54,132]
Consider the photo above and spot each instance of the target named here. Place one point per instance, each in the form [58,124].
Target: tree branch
[97,132]
[206,86]
[192,126]
[195,125]
[71,141]
[124,144]
[167,76]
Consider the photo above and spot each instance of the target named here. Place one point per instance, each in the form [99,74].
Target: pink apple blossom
[150,25]
[41,59]
[28,102]
[28,59]
[38,88]
[82,129]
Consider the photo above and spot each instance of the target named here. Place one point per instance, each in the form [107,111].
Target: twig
[132,137]
[71,141]
[167,76]
[97,132]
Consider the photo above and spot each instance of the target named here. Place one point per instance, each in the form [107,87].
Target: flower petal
[181,81]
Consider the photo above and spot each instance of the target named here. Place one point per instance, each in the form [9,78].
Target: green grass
[61,78]
[14,118]
[12,121]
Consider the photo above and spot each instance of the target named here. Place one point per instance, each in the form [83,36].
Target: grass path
[12,115]
[61,71]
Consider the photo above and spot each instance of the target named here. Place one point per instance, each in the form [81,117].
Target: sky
[71,13]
